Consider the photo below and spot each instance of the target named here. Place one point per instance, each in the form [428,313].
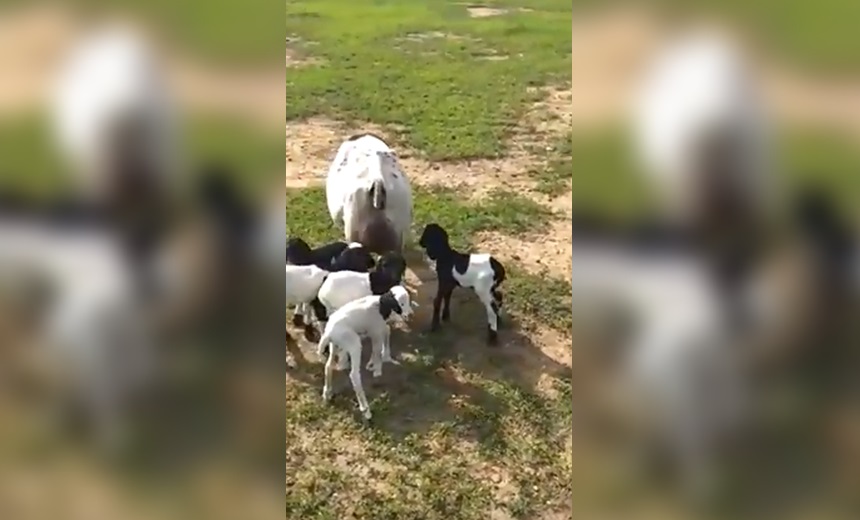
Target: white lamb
[343,287]
[369,194]
[95,328]
[682,362]
[302,286]
[366,316]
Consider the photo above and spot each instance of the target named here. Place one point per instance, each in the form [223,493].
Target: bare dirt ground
[610,47]
[34,39]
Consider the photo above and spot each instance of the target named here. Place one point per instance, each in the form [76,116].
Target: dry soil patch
[609,49]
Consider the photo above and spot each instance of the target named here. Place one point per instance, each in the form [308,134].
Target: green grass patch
[428,451]
[555,177]
[506,212]
[30,163]
[605,178]
[421,67]
[245,33]
[819,36]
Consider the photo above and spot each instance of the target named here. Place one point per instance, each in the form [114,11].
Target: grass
[605,178]
[456,434]
[236,33]
[459,431]
[555,177]
[443,442]
[455,105]
[820,36]
[31,165]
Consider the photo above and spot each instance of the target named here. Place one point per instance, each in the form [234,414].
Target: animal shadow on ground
[443,376]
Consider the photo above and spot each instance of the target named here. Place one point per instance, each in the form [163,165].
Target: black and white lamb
[342,287]
[332,257]
[480,272]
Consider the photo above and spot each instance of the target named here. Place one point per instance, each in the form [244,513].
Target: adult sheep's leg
[355,377]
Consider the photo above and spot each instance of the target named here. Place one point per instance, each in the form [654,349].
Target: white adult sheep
[114,118]
[367,316]
[369,194]
[702,135]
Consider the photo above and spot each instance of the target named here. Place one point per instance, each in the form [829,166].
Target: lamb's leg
[310,333]
[446,306]
[437,302]
[355,377]
[386,346]
[329,370]
[498,300]
[342,360]
[376,356]
[298,315]
[492,318]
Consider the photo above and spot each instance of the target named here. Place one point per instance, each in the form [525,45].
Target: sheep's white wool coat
[696,87]
[356,166]
[110,77]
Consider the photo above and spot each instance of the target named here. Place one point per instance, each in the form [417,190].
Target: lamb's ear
[387,305]
[384,307]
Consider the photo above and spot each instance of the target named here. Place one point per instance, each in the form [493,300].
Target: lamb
[333,257]
[365,316]
[330,256]
[303,283]
[481,272]
[369,194]
[95,329]
[345,286]
[682,362]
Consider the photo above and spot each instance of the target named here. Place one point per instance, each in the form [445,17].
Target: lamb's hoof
[311,334]
[492,338]
[446,317]
[367,415]
[299,320]
[326,395]
[434,327]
